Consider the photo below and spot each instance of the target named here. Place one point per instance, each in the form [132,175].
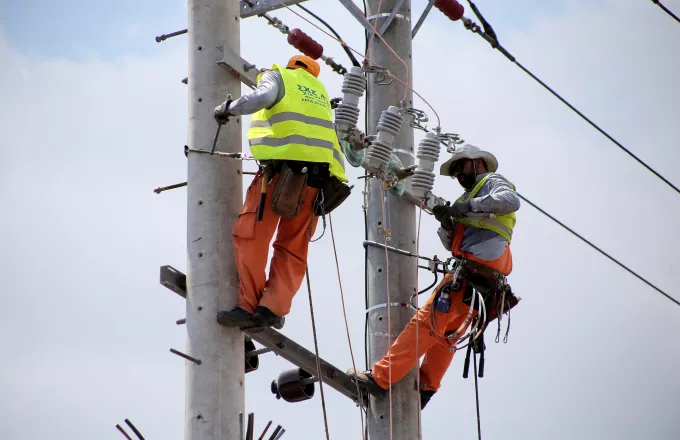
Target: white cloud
[593,353]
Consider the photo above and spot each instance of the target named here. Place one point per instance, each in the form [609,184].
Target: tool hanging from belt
[267,174]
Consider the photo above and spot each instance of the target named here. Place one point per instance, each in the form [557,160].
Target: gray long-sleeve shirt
[497,197]
[269,91]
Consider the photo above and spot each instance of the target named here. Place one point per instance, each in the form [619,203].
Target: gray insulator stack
[389,127]
[353,87]
[422,180]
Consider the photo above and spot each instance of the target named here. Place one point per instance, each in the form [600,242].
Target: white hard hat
[469,151]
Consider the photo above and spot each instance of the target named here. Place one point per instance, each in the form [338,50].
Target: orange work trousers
[436,349]
[251,246]
[413,343]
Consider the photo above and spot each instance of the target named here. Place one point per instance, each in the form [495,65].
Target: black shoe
[425,396]
[366,381]
[266,318]
[235,318]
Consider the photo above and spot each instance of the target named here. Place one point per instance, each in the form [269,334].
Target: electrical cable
[470,25]
[420,219]
[316,350]
[389,305]
[668,11]
[349,53]
[599,250]
[344,313]
[479,427]
[405,84]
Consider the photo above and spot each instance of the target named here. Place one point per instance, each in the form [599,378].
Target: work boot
[266,318]
[234,318]
[366,381]
[425,396]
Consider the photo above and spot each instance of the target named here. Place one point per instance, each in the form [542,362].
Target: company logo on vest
[312,96]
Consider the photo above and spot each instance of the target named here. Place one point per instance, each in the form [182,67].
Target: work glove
[221,112]
[459,209]
[443,214]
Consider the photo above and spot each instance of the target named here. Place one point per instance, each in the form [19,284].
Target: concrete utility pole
[402,222]
[214,388]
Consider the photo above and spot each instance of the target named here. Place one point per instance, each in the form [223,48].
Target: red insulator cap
[305,44]
[450,8]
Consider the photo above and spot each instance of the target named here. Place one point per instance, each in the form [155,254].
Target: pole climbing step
[278,343]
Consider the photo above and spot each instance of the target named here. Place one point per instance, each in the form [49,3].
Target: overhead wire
[599,250]
[349,53]
[490,36]
[344,313]
[420,219]
[668,11]
[316,350]
[405,84]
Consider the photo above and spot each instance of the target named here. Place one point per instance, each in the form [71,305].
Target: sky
[94,117]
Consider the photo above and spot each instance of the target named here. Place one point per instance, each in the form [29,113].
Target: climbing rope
[389,305]
[479,427]
[349,340]
[316,351]
[420,219]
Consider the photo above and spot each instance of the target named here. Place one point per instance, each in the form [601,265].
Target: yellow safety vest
[300,126]
[501,224]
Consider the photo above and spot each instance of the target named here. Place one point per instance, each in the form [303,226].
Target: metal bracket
[305,359]
[389,20]
[262,6]
[419,117]
[361,18]
[278,343]
[238,67]
[422,18]
[174,280]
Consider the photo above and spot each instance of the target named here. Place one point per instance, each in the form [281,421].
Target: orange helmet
[304,62]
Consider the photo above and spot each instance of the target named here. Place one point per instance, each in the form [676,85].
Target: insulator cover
[389,126]
[353,87]
[422,180]
[305,44]
[450,8]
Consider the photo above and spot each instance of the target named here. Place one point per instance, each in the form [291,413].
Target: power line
[599,250]
[489,36]
[668,11]
[349,53]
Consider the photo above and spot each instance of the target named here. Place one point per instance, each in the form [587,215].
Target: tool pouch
[331,195]
[289,192]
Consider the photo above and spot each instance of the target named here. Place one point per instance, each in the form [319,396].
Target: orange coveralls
[251,247]
[438,356]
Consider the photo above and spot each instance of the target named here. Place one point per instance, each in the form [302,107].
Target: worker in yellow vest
[301,177]
[470,233]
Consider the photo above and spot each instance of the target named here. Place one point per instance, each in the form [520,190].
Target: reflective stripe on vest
[502,224]
[299,127]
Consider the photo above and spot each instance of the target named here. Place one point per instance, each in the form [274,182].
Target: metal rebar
[137,433]
[185,356]
[275,433]
[266,428]
[280,434]
[165,188]
[173,34]
[258,352]
[249,431]
[122,431]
